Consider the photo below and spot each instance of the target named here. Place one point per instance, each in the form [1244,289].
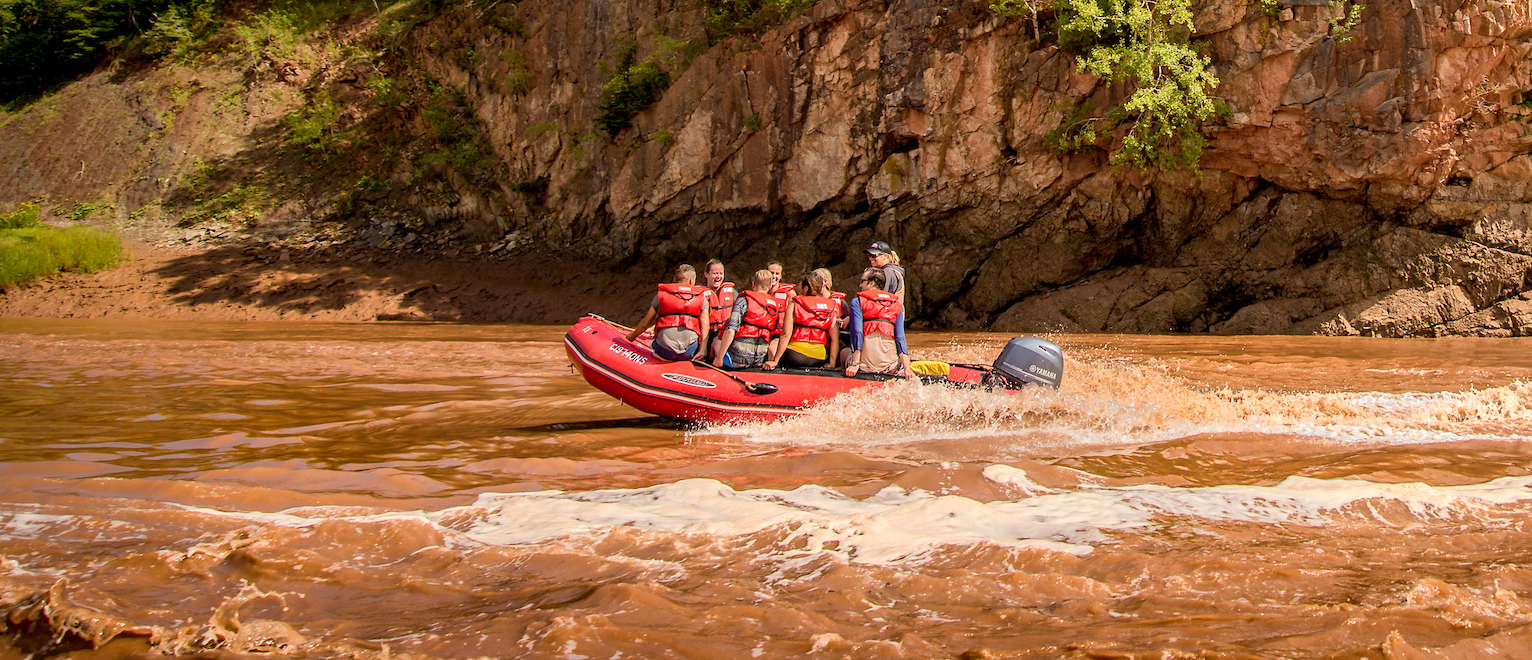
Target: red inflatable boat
[697,393]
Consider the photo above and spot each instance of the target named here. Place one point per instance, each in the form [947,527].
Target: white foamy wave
[896,525]
[1111,403]
[899,526]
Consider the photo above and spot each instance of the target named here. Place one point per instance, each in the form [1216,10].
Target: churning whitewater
[455,491]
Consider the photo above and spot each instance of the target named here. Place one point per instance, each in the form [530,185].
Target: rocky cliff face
[1379,186]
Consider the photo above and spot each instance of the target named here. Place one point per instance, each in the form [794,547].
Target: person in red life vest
[811,329]
[845,311]
[783,292]
[877,330]
[775,267]
[679,312]
[721,297]
[746,339]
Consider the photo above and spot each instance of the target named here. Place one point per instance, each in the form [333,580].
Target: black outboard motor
[1031,360]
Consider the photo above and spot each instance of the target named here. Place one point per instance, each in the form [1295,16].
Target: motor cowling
[1029,360]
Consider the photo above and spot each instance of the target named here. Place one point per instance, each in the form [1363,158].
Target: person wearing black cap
[882,257]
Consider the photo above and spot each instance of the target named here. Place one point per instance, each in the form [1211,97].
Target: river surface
[452,491]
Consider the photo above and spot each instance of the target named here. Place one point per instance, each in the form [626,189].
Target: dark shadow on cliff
[366,284]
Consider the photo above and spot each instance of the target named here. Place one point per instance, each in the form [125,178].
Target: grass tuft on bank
[30,250]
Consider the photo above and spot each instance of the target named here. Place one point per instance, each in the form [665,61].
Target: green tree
[1148,44]
[47,42]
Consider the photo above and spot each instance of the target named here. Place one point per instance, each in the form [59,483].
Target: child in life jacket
[877,330]
[811,326]
[747,337]
[679,312]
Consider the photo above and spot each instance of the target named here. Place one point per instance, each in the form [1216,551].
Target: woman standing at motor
[886,259]
[810,325]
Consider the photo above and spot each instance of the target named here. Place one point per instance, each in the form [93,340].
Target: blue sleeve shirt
[856,330]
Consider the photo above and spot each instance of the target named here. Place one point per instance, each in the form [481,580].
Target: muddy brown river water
[451,491]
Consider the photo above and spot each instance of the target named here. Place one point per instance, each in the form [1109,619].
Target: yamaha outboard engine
[1031,360]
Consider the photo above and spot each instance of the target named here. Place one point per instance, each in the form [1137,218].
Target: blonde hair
[824,274]
[685,274]
[761,281]
[893,257]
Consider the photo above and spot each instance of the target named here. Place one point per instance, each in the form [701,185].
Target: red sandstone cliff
[1376,187]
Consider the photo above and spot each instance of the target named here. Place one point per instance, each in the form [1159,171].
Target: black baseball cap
[878,248]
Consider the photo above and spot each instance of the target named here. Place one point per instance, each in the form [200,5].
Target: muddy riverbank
[253,280]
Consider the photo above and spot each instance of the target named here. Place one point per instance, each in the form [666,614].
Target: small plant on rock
[1342,24]
[313,127]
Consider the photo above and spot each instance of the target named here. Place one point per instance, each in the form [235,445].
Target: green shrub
[24,216]
[459,142]
[81,249]
[1147,44]
[1341,26]
[540,128]
[47,42]
[386,91]
[726,18]
[23,261]
[35,252]
[237,204]
[520,75]
[178,31]
[633,88]
[313,126]
[270,36]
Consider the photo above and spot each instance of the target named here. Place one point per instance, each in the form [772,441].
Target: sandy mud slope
[260,281]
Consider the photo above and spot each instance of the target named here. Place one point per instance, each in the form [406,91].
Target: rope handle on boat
[608,321]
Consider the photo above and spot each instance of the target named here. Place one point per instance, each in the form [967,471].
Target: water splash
[1110,402]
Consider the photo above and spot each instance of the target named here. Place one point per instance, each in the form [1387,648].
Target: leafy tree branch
[1148,44]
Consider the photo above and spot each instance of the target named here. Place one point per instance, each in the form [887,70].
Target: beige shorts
[880,355]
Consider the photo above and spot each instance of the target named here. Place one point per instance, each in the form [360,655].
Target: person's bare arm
[724,341]
[781,346]
[643,325]
[834,331]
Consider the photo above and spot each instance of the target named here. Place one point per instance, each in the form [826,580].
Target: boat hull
[698,394]
[687,391]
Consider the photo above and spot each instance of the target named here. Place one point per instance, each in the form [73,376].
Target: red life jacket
[784,293]
[681,305]
[840,299]
[720,307]
[812,318]
[880,312]
[761,314]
